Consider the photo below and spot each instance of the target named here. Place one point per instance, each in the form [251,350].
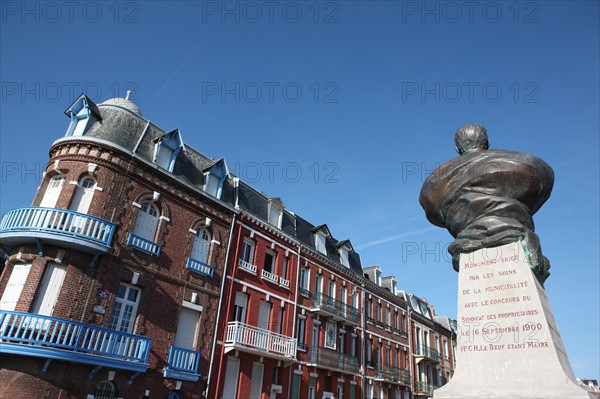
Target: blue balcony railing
[143,245]
[30,334]
[183,364]
[199,267]
[58,226]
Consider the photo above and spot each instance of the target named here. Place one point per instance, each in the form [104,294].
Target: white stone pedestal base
[508,344]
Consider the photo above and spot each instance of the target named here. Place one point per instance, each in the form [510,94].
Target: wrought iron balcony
[56,227]
[423,388]
[182,364]
[427,353]
[29,334]
[305,292]
[395,375]
[143,245]
[259,341]
[199,267]
[247,266]
[331,307]
[332,359]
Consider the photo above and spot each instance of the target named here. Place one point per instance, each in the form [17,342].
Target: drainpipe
[214,346]
[233,270]
[291,374]
[410,350]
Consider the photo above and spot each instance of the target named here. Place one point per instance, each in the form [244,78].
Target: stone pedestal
[508,343]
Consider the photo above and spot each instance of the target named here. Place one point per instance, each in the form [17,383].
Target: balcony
[58,227]
[269,276]
[182,364]
[199,267]
[143,245]
[259,341]
[28,334]
[333,360]
[422,388]
[394,375]
[330,307]
[247,266]
[284,283]
[427,354]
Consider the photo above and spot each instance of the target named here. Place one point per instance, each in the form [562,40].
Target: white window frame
[14,287]
[116,320]
[248,255]
[201,246]
[52,192]
[145,215]
[305,278]
[320,242]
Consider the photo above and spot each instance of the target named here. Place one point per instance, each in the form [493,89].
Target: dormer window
[166,149]
[344,248]
[275,212]
[83,113]
[320,243]
[378,277]
[214,177]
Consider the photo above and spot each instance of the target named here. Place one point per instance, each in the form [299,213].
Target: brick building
[144,268]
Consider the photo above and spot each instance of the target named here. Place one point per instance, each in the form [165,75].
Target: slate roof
[121,123]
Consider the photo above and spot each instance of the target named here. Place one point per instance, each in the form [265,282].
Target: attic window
[166,149]
[344,256]
[275,212]
[320,243]
[214,177]
[83,113]
[378,277]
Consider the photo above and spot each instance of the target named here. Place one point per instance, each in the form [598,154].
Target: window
[275,212]
[256,381]
[239,309]
[446,349]
[269,265]
[232,373]
[284,268]
[304,278]
[52,191]
[387,316]
[83,113]
[330,335]
[83,195]
[125,310]
[106,390]
[369,351]
[318,283]
[166,149]
[355,300]
[395,319]
[211,185]
[378,277]
[353,344]
[300,330]
[378,312]
[320,243]
[201,246]
[343,294]
[340,390]
[14,287]
[147,221]
[264,315]
[331,289]
[344,256]
[187,328]
[49,289]
[248,251]
[369,309]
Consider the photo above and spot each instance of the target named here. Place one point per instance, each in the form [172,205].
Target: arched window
[147,221]
[52,191]
[84,194]
[105,390]
[201,246]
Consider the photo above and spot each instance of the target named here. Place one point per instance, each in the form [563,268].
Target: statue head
[471,136]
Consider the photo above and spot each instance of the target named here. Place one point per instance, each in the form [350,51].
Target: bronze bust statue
[486,198]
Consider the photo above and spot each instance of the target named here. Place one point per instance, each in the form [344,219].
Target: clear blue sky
[339,108]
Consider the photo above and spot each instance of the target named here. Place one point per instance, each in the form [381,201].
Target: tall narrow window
[320,243]
[187,328]
[52,191]
[344,256]
[147,221]
[125,310]
[284,268]
[49,289]
[248,251]
[239,309]
[318,283]
[269,265]
[256,381]
[304,278]
[232,373]
[331,289]
[83,195]
[264,315]
[211,185]
[300,329]
[14,287]
[201,246]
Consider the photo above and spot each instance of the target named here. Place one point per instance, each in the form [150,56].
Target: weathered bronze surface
[486,198]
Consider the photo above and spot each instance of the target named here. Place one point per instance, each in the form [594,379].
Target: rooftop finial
[127,95]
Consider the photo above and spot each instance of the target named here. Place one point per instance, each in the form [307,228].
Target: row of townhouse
[144,269]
